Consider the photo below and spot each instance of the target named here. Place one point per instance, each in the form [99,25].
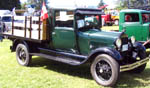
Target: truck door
[63,35]
[132,25]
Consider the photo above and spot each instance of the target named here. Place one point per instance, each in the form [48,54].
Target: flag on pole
[44,12]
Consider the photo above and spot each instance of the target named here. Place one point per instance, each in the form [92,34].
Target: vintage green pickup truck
[136,22]
[74,37]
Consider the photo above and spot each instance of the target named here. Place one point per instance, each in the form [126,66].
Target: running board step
[62,59]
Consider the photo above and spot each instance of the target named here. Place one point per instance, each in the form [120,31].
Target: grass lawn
[108,28]
[49,74]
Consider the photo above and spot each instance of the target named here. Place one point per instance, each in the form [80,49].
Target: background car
[6,22]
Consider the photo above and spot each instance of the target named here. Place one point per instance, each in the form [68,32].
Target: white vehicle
[5,12]
[6,22]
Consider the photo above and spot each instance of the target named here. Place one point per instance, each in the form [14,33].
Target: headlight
[132,39]
[118,43]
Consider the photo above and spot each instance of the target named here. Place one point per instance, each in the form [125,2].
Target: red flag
[44,12]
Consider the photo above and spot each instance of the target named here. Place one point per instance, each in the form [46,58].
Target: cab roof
[81,10]
[134,10]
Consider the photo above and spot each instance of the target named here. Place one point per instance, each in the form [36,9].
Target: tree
[133,3]
[37,3]
[101,3]
[9,4]
[137,3]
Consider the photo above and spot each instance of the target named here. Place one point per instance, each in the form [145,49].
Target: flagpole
[48,13]
[50,23]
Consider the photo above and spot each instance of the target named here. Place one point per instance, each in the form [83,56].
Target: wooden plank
[39,28]
[25,27]
[46,30]
[13,25]
[21,18]
[35,18]
[30,27]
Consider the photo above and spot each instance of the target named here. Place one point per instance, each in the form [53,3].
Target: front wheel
[22,55]
[105,70]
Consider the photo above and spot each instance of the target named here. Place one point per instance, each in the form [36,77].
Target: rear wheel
[22,55]
[117,22]
[105,70]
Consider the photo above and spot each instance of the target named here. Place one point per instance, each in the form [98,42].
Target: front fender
[140,49]
[109,51]
[139,46]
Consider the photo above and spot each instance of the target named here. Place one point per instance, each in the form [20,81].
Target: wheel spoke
[103,70]
[22,54]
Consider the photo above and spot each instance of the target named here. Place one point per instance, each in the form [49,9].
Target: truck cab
[136,23]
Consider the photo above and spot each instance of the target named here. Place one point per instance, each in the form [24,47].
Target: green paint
[79,33]
[92,39]
[139,29]
[63,38]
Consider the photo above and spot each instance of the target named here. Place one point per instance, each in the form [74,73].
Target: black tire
[22,55]
[110,24]
[105,70]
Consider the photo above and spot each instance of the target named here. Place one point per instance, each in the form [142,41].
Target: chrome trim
[134,65]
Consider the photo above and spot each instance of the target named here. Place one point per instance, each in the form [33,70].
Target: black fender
[16,42]
[140,49]
[109,51]
[139,46]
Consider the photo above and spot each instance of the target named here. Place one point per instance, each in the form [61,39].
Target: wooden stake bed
[28,27]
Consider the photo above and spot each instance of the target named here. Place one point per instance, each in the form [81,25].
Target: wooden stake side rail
[28,27]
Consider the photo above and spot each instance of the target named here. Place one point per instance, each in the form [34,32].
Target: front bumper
[133,65]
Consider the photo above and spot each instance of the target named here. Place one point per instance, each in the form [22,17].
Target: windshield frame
[85,28]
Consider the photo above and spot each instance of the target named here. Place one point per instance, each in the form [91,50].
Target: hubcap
[22,54]
[103,70]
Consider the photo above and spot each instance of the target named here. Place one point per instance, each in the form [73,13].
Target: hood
[104,34]
[102,38]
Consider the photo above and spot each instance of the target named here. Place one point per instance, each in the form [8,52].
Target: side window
[64,19]
[131,17]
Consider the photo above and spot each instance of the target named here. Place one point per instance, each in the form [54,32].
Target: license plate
[125,47]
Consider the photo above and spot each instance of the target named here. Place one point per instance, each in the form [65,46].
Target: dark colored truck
[74,37]
[136,23]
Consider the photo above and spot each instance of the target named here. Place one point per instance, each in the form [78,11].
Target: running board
[65,60]
[64,57]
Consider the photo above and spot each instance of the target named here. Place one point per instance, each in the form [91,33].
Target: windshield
[85,22]
[6,19]
[146,17]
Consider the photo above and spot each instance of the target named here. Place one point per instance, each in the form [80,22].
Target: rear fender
[16,42]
